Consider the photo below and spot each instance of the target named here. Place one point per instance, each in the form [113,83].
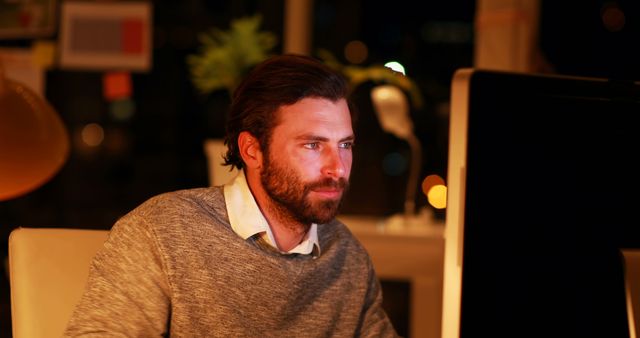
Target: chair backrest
[632,284]
[48,270]
[219,174]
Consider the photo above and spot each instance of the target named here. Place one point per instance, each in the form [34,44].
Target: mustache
[330,183]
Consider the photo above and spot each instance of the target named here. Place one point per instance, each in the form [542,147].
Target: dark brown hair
[280,80]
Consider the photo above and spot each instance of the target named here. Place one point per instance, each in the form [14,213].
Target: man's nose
[334,164]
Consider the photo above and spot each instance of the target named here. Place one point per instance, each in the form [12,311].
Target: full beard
[291,195]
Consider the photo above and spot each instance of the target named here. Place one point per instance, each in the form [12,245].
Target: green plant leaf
[224,57]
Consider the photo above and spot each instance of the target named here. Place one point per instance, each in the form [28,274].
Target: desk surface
[393,226]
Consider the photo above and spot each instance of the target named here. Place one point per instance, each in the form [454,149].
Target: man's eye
[311,145]
[346,145]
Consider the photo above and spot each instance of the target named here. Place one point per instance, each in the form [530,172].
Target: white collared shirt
[247,220]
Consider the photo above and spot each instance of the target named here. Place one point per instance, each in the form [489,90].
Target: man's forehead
[314,107]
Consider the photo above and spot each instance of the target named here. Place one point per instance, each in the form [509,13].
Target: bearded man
[262,256]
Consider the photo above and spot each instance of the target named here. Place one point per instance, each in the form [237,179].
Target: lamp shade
[34,143]
[392,109]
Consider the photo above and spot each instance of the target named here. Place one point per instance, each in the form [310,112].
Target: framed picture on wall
[27,19]
[106,36]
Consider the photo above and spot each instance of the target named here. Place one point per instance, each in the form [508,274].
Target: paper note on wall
[19,66]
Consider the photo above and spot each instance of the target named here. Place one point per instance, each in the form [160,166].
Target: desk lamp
[392,109]
[34,143]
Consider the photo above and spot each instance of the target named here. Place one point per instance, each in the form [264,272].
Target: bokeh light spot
[434,188]
[437,196]
[395,66]
[613,18]
[431,181]
[92,134]
[356,52]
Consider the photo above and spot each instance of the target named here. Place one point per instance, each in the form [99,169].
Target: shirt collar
[247,220]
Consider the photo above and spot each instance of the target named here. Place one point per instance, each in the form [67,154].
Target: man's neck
[286,234]
[287,231]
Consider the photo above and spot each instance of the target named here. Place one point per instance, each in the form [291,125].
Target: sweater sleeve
[375,322]
[127,292]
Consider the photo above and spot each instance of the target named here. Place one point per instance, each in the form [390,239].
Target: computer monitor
[544,185]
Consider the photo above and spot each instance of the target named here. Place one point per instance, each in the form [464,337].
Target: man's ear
[250,151]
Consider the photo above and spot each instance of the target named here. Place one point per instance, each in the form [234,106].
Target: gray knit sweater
[173,266]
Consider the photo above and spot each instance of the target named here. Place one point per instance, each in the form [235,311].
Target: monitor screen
[544,185]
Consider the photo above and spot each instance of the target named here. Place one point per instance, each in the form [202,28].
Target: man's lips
[330,189]
[331,192]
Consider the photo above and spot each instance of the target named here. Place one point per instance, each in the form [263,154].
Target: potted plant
[223,59]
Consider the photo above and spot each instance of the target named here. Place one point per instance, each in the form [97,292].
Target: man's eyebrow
[311,137]
[350,138]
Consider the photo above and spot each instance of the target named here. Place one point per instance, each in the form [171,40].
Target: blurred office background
[156,145]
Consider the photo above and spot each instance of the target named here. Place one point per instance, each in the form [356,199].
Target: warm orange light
[431,181]
[437,196]
[436,191]
[33,140]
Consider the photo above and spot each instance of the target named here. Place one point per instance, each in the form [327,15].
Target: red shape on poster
[132,33]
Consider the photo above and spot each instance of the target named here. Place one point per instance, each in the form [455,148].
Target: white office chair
[48,269]
[632,283]
[219,174]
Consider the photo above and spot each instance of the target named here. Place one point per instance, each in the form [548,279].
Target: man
[261,256]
